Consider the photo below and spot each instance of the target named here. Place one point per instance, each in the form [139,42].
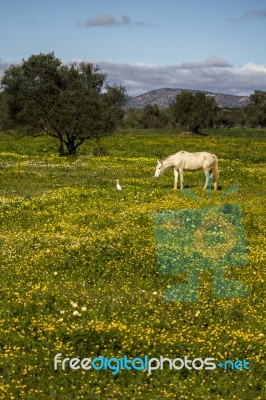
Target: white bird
[118,186]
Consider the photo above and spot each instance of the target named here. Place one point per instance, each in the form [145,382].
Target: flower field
[79,271]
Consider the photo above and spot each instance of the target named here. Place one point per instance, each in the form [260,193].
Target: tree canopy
[255,113]
[193,111]
[67,102]
[151,117]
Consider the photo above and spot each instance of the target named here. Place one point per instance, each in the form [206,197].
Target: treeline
[73,103]
[197,111]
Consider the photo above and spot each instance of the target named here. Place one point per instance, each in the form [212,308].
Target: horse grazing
[185,161]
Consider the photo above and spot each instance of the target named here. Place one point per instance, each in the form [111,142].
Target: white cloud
[213,74]
[256,13]
[32,22]
[105,20]
[261,13]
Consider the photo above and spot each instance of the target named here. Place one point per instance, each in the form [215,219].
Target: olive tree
[193,111]
[71,103]
[255,113]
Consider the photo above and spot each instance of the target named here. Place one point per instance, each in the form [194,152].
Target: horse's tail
[215,171]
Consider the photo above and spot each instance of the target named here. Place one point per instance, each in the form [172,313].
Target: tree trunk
[195,128]
[61,148]
[71,148]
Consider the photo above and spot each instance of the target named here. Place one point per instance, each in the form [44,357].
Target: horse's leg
[206,179]
[181,172]
[214,185]
[176,178]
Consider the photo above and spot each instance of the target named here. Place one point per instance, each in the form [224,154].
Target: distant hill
[164,97]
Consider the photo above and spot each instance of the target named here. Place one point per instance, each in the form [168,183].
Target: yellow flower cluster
[79,274]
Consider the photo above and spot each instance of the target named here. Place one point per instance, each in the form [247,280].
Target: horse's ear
[159,161]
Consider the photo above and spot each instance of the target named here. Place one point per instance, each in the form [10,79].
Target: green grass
[79,271]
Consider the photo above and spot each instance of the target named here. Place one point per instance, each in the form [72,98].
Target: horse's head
[159,169]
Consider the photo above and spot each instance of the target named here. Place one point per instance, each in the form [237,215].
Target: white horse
[185,161]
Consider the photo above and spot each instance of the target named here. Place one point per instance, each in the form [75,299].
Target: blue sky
[145,44]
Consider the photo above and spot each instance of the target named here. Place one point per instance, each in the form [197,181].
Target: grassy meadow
[79,271]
